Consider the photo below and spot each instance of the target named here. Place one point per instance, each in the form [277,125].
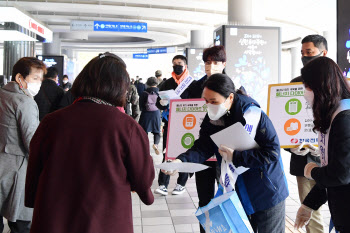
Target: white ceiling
[170,21]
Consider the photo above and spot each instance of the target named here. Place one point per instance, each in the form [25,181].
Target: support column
[13,51]
[201,39]
[71,61]
[53,48]
[296,61]
[246,12]
[332,43]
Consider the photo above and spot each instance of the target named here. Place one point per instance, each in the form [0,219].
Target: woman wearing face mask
[263,188]
[214,59]
[328,93]
[19,118]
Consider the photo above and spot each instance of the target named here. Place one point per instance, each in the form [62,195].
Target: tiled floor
[175,213]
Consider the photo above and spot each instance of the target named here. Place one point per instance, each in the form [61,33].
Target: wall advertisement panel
[195,62]
[253,57]
[343,36]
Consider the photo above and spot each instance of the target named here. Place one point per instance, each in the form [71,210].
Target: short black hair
[220,83]
[319,41]
[65,76]
[215,53]
[52,72]
[104,77]
[180,57]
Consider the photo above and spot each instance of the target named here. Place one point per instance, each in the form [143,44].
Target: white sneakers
[179,189]
[161,190]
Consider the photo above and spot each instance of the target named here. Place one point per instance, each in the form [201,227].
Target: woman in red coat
[80,176]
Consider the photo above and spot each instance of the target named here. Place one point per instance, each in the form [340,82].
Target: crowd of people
[78,177]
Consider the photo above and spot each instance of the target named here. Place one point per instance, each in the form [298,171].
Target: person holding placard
[262,189]
[328,93]
[313,46]
[179,75]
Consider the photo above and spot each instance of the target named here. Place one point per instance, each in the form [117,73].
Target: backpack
[151,101]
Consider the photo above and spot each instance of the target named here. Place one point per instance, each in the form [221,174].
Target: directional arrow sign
[120,26]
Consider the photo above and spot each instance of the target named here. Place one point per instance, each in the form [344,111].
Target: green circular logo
[187,140]
[293,106]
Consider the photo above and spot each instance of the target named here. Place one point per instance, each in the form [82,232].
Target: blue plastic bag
[224,213]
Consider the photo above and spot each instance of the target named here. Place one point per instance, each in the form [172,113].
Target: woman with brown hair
[80,177]
[328,93]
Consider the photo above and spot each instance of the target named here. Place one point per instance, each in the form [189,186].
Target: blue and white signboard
[161,50]
[119,26]
[140,56]
[157,51]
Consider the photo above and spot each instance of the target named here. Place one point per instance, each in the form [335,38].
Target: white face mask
[215,111]
[33,88]
[214,69]
[309,96]
[65,81]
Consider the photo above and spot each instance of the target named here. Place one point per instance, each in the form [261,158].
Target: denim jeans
[164,179]
[269,221]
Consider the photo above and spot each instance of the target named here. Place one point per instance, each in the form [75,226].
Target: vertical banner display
[195,62]
[343,36]
[253,57]
[185,118]
[290,114]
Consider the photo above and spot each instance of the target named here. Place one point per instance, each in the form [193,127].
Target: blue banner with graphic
[107,26]
[140,56]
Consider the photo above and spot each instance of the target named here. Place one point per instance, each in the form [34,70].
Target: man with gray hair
[158,75]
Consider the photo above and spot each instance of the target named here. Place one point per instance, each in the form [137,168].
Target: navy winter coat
[264,185]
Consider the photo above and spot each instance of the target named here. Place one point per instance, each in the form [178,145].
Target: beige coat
[19,118]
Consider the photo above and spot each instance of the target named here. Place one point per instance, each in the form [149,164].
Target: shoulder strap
[252,117]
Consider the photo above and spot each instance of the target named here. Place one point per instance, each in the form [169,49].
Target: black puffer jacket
[333,180]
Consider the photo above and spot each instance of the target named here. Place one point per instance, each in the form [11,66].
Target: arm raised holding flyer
[263,186]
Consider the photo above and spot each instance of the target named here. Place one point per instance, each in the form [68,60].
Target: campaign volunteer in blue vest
[150,115]
[263,188]
[214,59]
[328,92]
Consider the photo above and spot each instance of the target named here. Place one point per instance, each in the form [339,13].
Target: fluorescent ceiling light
[12,35]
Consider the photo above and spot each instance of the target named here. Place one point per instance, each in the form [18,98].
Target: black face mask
[305,60]
[178,69]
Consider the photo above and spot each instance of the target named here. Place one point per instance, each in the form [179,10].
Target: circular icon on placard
[187,140]
[293,106]
[189,121]
[292,127]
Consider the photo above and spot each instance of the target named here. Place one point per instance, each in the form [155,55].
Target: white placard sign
[185,118]
[290,114]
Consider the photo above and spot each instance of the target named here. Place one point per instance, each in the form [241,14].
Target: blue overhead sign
[161,50]
[140,56]
[157,51]
[119,26]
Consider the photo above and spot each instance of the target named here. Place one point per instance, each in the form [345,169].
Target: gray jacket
[19,118]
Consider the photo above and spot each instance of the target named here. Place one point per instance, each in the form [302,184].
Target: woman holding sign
[263,188]
[327,91]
